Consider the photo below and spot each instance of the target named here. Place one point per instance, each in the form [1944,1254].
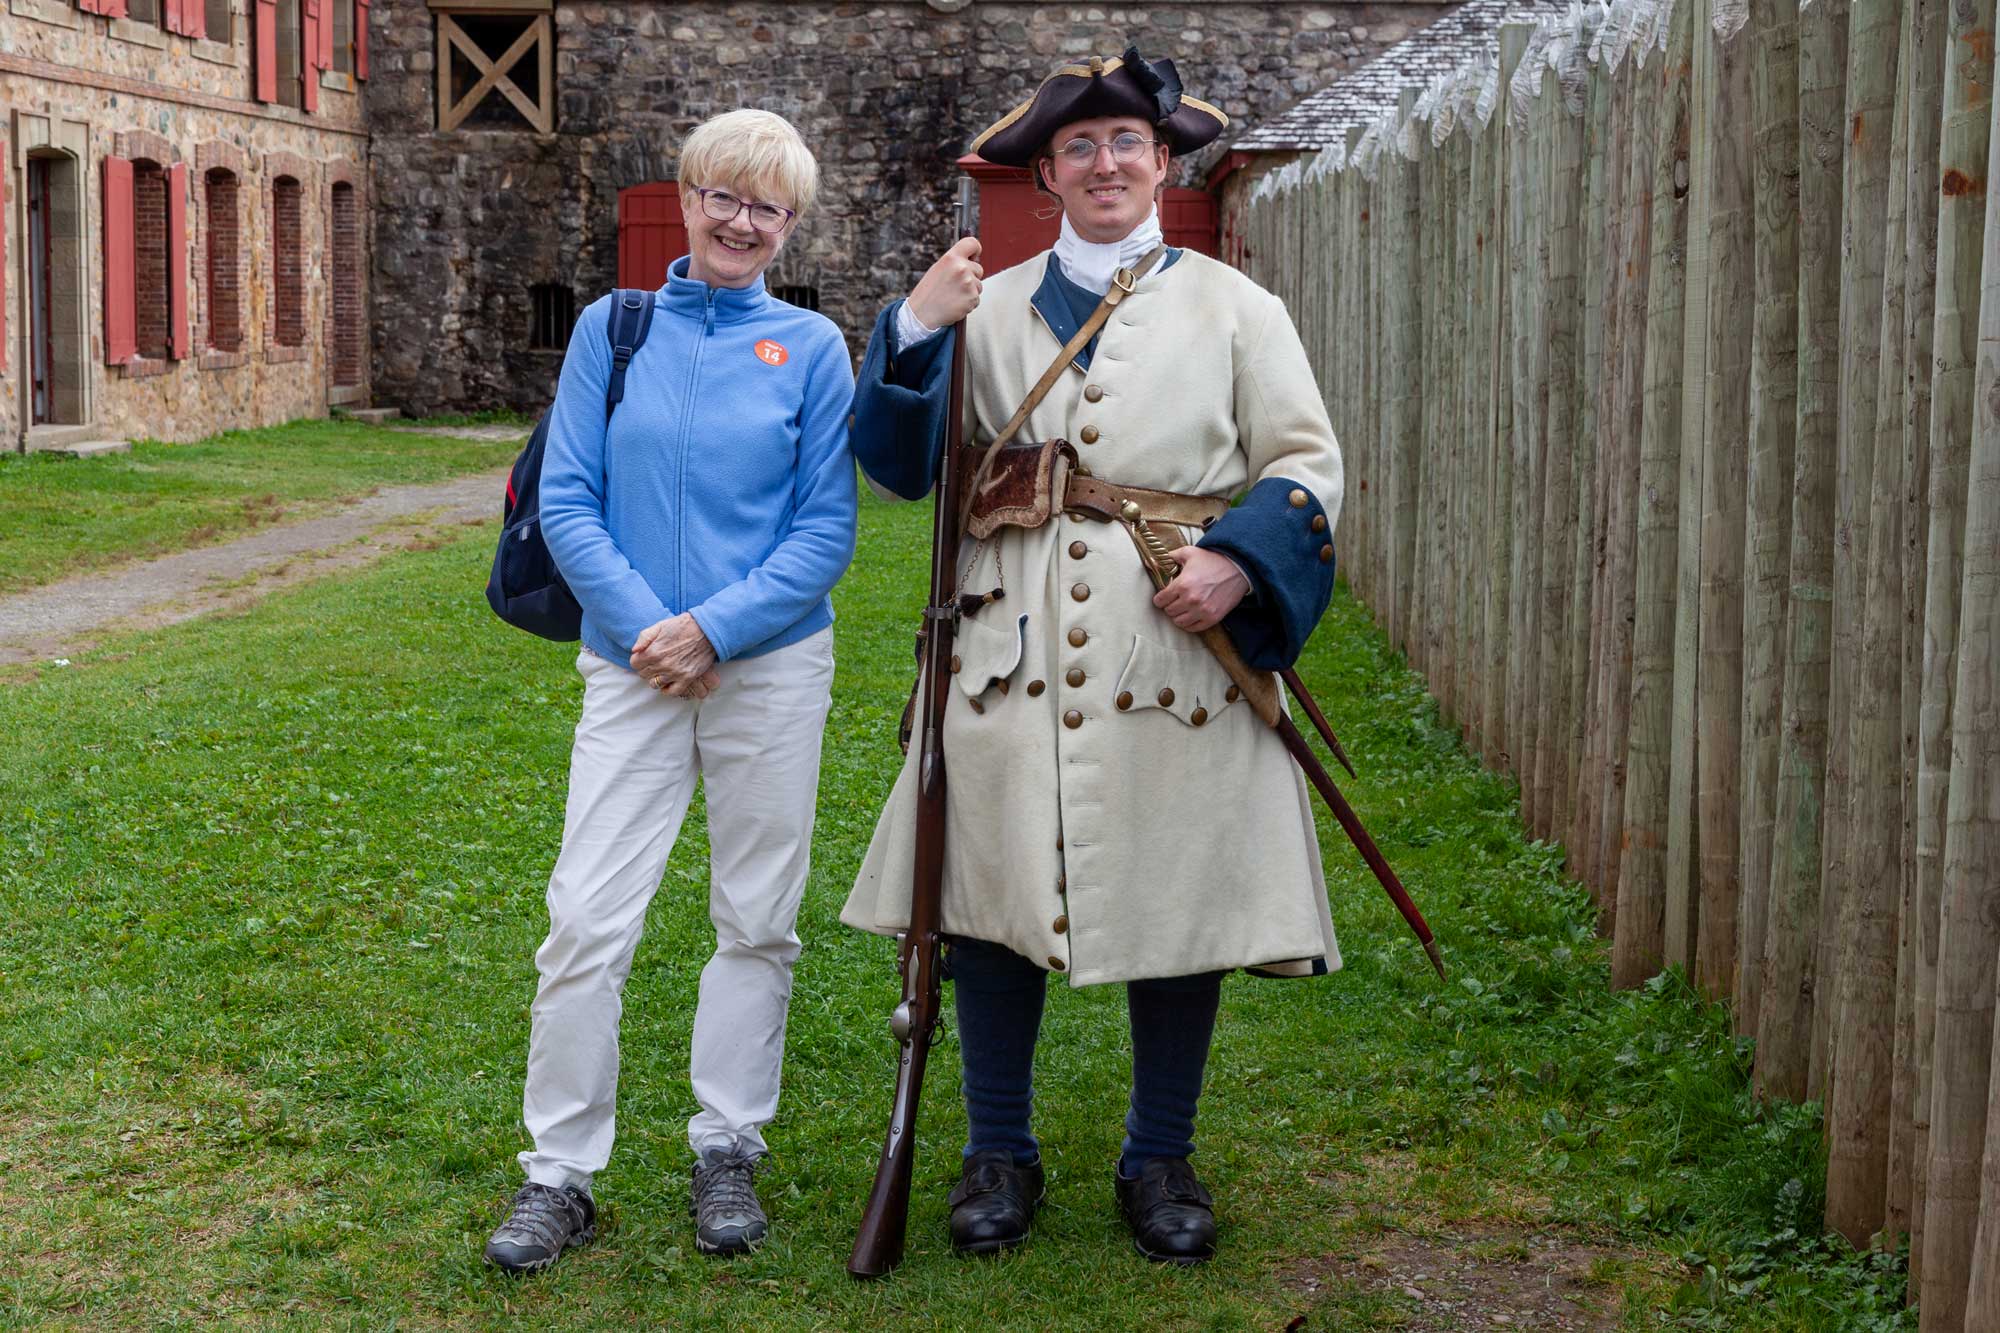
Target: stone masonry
[887,94]
[78,87]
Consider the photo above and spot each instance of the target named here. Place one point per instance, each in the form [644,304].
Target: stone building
[523,150]
[184,216]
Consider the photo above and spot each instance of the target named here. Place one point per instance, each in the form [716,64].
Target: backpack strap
[631,319]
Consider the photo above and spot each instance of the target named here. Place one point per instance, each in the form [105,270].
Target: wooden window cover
[538,37]
[264,37]
[177,257]
[360,39]
[121,265]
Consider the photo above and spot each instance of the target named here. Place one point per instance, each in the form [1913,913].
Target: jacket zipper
[681,453]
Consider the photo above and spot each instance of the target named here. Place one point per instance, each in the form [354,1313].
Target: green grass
[274,883]
[65,516]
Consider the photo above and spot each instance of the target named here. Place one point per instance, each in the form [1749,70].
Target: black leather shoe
[994,1202]
[1172,1217]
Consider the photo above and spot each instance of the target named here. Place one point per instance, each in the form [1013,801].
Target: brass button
[1088,435]
[1062,881]
[1319,522]
[1299,499]
[1059,882]
[1198,716]
[1058,964]
[1075,677]
[1000,685]
[1035,688]
[1080,591]
[1061,924]
[1077,550]
[1072,719]
[977,706]
[1124,700]
[955,664]
[1078,638]
[1167,697]
[1232,694]
[1325,554]
[1092,392]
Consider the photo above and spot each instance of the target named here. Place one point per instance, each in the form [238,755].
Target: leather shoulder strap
[1121,287]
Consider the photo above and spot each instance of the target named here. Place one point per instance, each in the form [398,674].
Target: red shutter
[360,39]
[326,33]
[176,16]
[312,57]
[194,18]
[121,265]
[177,259]
[112,9]
[87,6]
[3,258]
[264,33]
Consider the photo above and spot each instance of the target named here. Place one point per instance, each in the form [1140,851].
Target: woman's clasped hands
[675,657]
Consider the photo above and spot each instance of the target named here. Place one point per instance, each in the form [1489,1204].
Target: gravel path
[53,621]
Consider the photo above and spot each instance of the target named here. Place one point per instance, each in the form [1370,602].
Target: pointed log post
[1860,848]
[1785,1025]
[1726,426]
[1640,110]
[1767,505]
[1962,1042]
[1563,127]
[1502,466]
[1638,948]
[1586,608]
[1917,979]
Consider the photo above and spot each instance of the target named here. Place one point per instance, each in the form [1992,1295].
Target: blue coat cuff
[900,403]
[1287,552]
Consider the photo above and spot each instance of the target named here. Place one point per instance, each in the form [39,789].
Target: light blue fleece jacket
[722,486]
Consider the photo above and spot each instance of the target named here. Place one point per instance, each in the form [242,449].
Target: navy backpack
[526,589]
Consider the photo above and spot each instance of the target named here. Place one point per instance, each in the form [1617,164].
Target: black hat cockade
[1128,85]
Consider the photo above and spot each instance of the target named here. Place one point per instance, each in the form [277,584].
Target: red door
[651,233]
[1188,218]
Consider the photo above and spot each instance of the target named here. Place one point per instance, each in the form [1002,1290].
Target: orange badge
[770,353]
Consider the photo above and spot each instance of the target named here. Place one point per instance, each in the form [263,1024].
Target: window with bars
[802,296]
[288,287]
[553,312]
[224,267]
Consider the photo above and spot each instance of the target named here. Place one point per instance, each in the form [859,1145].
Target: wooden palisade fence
[1654,341]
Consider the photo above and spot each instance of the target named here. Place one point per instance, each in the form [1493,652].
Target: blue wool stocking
[1173,1019]
[999,1002]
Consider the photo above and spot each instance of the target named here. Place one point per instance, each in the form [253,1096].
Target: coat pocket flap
[1187,682]
[985,652]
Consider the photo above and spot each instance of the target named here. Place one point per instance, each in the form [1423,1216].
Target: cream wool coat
[1135,843]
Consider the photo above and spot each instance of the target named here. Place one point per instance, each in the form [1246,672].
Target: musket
[1262,697]
[878,1246]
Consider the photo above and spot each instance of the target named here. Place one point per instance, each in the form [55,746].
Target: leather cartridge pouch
[1024,488]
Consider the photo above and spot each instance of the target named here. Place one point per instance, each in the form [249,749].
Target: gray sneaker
[723,1199]
[545,1222]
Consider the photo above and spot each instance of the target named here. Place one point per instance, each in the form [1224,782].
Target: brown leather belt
[1103,499]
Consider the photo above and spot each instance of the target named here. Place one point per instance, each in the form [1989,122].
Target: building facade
[185,216]
[523,152]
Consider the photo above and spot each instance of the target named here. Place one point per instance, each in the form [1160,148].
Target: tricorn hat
[1128,85]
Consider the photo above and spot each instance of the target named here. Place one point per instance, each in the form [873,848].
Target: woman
[701,529]
[1114,813]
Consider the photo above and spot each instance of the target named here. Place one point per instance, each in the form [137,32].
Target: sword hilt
[1156,549]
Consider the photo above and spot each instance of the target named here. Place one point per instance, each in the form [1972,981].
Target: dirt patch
[1481,1277]
[60,620]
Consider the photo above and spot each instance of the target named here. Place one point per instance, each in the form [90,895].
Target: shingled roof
[1360,96]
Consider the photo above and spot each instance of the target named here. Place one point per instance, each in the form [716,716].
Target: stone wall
[80,87]
[887,94]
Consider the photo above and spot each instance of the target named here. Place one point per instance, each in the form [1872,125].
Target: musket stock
[878,1245]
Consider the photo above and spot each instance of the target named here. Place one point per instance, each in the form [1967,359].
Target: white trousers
[755,744]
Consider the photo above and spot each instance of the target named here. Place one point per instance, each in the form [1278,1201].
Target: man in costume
[1116,812]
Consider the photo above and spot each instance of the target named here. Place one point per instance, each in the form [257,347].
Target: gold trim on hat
[1082,72]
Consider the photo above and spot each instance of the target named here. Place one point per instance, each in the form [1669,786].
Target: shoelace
[727,1186]
[541,1214]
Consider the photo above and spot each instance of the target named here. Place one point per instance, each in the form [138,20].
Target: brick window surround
[288,182]
[345,220]
[222,258]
